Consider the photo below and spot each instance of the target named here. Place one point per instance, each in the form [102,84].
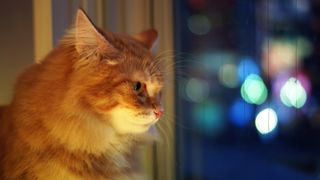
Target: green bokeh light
[197,90]
[253,90]
[293,94]
[199,24]
[228,75]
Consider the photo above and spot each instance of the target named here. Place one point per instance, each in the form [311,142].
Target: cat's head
[116,77]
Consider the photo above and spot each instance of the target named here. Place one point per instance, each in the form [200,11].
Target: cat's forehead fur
[135,60]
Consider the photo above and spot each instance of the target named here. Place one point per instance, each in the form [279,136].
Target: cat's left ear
[88,39]
[147,38]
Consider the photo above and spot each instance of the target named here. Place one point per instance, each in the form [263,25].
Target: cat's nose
[158,113]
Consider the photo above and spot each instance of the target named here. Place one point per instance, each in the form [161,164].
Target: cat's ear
[148,37]
[88,40]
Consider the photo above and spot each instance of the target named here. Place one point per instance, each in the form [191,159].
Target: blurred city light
[253,90]
[278,56]
[228,75]
[293,94]
[282,78]
[197,90]
[246,67]
[211,62]
[284,54]
[208,118]
[241,113]
[199,24]
[266,121]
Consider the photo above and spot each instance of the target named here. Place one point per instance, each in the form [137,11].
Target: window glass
[247,89]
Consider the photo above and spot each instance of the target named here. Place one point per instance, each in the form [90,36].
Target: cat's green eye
[137,86]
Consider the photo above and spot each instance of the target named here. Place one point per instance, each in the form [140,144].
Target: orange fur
[76,115]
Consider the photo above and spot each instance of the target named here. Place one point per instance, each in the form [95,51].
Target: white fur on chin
[125,121]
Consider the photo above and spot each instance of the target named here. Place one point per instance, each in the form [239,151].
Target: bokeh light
[199,24]
[228,75]
[253,90]
[284,54]
[211,61]
[208,118]
[282,78]
[246,67]
[197,90]
[266,121]
[241,113]
[293,94]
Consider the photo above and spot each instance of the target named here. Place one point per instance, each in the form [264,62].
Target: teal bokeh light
[208,118]
[253,90]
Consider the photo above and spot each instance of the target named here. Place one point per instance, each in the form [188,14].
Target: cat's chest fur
[70,165]
[59,163]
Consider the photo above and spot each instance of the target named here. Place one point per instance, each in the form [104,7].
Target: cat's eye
[137,86]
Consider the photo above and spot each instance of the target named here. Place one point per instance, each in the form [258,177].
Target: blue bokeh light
[241,113]
[246,67]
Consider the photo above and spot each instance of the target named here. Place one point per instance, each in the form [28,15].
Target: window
[247,89]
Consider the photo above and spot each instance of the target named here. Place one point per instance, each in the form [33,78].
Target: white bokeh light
[266,121]
[293,93]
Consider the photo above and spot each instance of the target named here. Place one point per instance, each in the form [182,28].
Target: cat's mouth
[146,121]
[126,121]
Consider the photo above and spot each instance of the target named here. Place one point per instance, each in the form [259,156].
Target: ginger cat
[80,112]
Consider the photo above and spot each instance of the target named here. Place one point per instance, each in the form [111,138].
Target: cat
[80,113]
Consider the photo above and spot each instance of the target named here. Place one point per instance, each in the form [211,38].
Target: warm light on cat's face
[136,114]
[121,82]
[138,96]
[129,100]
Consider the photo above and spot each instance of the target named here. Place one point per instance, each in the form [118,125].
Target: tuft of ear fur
[147,38]
[88,40]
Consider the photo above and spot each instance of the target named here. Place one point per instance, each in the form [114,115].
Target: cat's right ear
[88,40]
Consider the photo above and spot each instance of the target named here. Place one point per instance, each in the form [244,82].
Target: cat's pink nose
[158,113]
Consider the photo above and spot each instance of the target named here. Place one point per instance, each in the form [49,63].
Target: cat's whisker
[172,52]
[163,135]
[178,75]
[174,120]
[170,128]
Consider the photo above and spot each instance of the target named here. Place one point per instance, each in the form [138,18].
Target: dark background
[219,44]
